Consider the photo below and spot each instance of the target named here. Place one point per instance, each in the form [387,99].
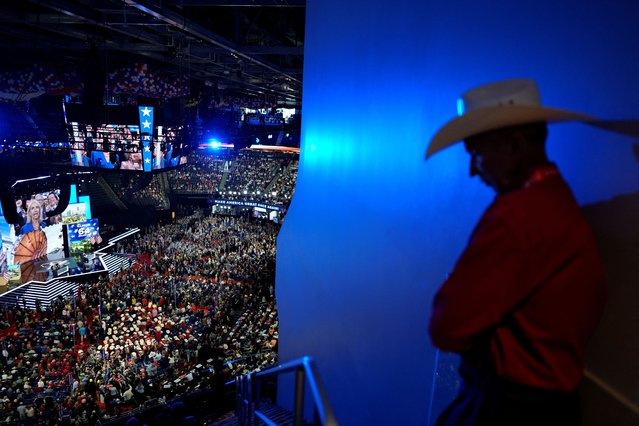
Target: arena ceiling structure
[252,47]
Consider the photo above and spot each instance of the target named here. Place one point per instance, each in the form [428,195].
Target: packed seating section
[196,308]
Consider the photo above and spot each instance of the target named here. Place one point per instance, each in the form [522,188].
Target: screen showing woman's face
[34,210]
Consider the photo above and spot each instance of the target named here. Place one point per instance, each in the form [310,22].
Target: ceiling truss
[255,47]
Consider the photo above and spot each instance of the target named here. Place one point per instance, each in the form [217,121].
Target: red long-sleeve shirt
[527,292]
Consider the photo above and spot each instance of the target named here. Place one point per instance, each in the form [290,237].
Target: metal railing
[248,394]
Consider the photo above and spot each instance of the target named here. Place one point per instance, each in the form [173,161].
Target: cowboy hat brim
[497,117]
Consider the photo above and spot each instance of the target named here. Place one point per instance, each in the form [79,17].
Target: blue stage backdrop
[356,270]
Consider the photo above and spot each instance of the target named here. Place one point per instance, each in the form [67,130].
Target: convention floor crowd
[195,309]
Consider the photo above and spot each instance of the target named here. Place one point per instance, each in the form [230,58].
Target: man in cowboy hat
[527,292]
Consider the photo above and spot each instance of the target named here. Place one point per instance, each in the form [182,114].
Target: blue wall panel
[373,228]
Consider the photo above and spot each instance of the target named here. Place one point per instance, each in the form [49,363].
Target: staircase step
[27,294]
[232,421]
[115,263]
[280,416]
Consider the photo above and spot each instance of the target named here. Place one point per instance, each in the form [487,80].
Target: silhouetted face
[495,159]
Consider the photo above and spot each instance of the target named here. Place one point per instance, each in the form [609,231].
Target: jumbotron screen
[140,146]
[37,234]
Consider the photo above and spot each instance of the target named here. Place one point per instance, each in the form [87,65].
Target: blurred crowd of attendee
[135,80]
[202,173]
[139,80]
[253,172]
[195,308]
[248,175]
[284,184]
[38,79]
[234,103]
[152,194]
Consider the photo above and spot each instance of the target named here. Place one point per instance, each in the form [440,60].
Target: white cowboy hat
[497,105]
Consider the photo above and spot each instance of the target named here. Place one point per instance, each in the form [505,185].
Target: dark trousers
[486,400]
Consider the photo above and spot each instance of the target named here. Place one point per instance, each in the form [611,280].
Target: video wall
[268,117]
[4,266]
[140,146]
[39,235]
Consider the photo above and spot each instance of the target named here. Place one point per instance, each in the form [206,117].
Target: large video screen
[268,117]
[4,266]
[38,234]
[140,146]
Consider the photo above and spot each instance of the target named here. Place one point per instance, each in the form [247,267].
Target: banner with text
[82,235]
[244,203]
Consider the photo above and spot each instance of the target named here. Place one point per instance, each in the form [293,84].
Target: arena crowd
[250,175]
[196,307]
[202,173]
[253,173]
[152,194]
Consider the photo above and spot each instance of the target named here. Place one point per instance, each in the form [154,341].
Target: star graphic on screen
[147,161]
[147,148]
[146,124]
[146,112]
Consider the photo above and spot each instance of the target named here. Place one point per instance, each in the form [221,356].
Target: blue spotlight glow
[214,143]
[460,107]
